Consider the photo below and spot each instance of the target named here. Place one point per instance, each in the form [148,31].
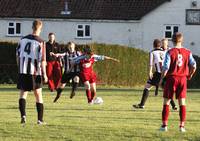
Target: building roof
[80,9]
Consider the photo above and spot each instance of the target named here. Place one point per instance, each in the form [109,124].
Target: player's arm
[150,65]
[110,58]
[192,66]
[17,54]
[165,67]
[103,57]
[57,54]
[44,62]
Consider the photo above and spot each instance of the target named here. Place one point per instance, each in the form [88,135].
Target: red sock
[93,94]
[165,114]
[182,114]
[89,96]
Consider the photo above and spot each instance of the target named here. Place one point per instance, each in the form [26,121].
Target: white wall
[120,32]
[171,13]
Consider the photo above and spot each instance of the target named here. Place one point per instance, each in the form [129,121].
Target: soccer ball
[98,100]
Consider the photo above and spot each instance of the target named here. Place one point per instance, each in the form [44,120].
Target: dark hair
[51,33]
[156,43]
[87,50]
[177,37]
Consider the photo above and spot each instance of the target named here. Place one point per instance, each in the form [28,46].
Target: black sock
[40,109]
[156,91]
[59,91]
[144,97]
[22,106]
[172,103]
[74,86]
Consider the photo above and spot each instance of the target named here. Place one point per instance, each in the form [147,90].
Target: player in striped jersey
[31,60]
[71,71]
[155,62]
[87,73]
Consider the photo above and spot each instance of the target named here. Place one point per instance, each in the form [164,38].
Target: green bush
[131,71]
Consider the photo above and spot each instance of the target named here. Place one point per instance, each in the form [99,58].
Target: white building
[135,23]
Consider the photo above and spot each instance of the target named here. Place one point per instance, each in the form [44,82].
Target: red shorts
[91,77]
[177,85]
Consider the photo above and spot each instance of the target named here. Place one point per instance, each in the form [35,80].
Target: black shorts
[66,77]
[29,82]
[155,80]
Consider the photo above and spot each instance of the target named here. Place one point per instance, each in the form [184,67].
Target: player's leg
[64,80]
[22,105]
[173,105]
[93,89]
[50,75]
[57,75]
[59,91]
[39,105]
[88,91]
[165,114]
[144,96]
[156,90]
[182,114]
[75,83]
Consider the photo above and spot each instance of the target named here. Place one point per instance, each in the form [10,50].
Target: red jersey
[86,65]
[179,62]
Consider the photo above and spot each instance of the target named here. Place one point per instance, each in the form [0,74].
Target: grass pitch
[115,120]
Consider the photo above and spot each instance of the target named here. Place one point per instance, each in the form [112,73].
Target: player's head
[37,26]
[51,37]
[165,44]
[71,46]
[156,43]
[177,38]
[87,50]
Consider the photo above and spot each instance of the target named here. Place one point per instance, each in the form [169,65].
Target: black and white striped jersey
[68,58]
[156,59]
[30,53]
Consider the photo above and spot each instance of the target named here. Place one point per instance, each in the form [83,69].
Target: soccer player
[156,61]
[165,48]
[53,64]
[87,73]
[31,60]
[71,71]
[179,66]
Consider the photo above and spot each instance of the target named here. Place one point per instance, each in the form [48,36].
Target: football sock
[22,106]
[89,96]
[172,103]
[156,91]
[165,114]
[40,109]
[59,91]
[74,86]
[144,97]
[182,114]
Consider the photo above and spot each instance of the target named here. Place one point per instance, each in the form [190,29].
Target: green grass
[115,120]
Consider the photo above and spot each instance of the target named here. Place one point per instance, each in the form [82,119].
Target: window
[14,29]
[170,30]
[83,31]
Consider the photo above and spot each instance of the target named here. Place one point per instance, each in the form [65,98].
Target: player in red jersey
[179,66]
[87,73]
[53,64]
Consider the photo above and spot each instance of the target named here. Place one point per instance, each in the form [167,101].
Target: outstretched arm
[110,58]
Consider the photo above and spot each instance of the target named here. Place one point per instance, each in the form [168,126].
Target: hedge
[131,71]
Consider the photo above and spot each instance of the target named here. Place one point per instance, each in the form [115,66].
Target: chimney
[66,10]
